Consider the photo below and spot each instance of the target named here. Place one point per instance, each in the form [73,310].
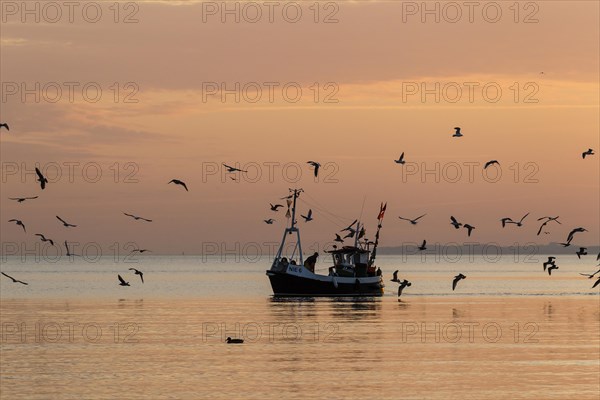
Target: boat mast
[290,230]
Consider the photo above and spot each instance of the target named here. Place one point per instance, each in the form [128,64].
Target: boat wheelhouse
[353,271]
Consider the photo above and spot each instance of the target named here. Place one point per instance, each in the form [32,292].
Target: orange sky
[370,56]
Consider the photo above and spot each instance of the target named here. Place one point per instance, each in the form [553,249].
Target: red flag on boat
[382,211]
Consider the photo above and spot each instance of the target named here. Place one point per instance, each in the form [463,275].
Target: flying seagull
[275,207]
[122,281]
[456,279]
[269,221]
[505,220]
[308,218]
[590,276]
[349,227]
[589,152]
[455,223]
[140,250]
[395,276]
[138,272]
[233,169]
[178,182]
[4,125]
[41,178]
[65,223]
[234,341]
[400,160]
[469,228]
[68,253]
[14,280]
[350,234]
[457,132]
[548,219]
[567,244]
[137,218]
[22,199]
[549,262]
[520,223]
[422,247]
[43,238]
[574,231]
[413,221]
[582,252]
[18,222]
[316,165]
[338,238]
[596,283]
[550,268]
[492,162]
[403,284]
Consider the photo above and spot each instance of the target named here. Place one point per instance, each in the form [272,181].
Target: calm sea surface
[508,331]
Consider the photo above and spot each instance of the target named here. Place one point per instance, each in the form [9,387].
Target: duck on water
[353,272]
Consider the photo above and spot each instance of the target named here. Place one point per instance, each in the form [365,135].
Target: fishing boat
[353,272]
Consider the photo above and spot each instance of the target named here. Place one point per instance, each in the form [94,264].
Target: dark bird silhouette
[362,233]
[22,199]
[43,238]
[596,283]
[422,247]
[567,244]
[122,281]
[505,220]
[574,231]
[469,228]
[590,276]
[549,262]
[140,250]
[338,238]
[457,132]
[308,218]
[518,223]
[547,219]
[589,152]
[178,182]
[41,178]
[138,272]
[18,222]
[137,218]
[551,267]
[232,169]
[403,284]
[65,223]
[400,160]
[14,280]
[350,234]
[456,279]
[316,166]
[395,276]
[237,341]
[5,125]
[275,207]
[349,227]
[455,223]
[582,252]
[69,253]
[413,221]
[492,162]
[269,221]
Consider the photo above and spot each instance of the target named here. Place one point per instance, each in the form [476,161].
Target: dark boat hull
[284,284]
